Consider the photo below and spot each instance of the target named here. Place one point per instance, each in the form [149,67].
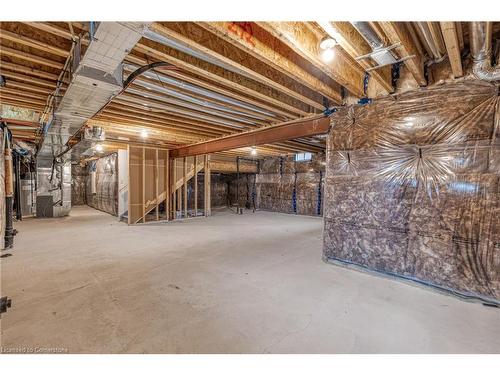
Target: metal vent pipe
[368,34]
[481,52]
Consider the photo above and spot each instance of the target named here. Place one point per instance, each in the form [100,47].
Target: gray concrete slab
[252,283]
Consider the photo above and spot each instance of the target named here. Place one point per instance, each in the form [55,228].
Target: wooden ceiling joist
[240,38]
[229,59]
[399,34]
[355,45]
[16,38]
[305,41]
[31,80]
[27,70]
[204,70]
[29,57]
[452,47]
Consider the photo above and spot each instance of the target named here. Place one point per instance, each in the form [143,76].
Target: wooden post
[195,186]
[185,188]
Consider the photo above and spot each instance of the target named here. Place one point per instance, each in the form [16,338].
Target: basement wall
[103,193]
[78,185]
[412,188]
[284,185]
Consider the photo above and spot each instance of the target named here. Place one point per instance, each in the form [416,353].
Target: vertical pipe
[195,185]
[9,230]
[174,191]
[238,184]
[17,187]
[185,187]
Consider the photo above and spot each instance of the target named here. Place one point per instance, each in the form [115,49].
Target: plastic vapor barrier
[412,188]
[102,184]
[284,185]
[78,185]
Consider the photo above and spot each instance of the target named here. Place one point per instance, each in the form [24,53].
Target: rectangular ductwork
[97,78]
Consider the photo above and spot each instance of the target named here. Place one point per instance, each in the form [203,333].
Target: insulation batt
[279,177]
[78,184]
[106,196]
[412,187]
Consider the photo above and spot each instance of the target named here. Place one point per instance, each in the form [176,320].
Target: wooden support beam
[24,40]
[240,38]
[452,47]
[29,57]
[398,33]
[303,40]
[275,133]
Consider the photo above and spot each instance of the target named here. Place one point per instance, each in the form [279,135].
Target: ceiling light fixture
[99,147]
[327,43]
[327,55]
[144,133]
[254,151]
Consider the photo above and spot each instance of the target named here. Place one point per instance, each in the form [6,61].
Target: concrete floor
[227,284]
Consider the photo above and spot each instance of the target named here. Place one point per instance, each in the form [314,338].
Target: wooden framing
[452,47]
[144,193]
[195,161]
[398,33]
[240,38]
[207,182]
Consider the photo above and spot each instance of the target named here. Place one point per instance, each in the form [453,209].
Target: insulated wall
[412,188]
[283,185]
[78,184]
[102,184]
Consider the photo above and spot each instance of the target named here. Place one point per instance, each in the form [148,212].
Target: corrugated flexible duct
[481,52]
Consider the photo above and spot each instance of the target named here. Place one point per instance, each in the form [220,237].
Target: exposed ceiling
[226,77]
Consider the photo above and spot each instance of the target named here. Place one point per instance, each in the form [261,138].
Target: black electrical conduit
[136,73]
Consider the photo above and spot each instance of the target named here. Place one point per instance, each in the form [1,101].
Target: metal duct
[380,54]
[426,34]
[481,52]
[96,79]
[368,34]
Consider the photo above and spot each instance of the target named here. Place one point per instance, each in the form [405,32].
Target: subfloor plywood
[251,283]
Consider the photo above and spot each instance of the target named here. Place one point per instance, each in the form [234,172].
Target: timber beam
[452,43]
